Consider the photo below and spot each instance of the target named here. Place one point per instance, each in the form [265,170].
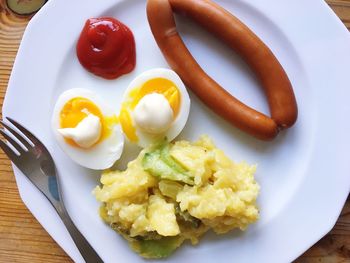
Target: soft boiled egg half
[87,129]
[155,105]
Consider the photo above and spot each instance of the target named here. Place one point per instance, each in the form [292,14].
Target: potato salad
[174,192]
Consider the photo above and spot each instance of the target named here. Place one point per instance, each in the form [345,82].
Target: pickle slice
[25,7]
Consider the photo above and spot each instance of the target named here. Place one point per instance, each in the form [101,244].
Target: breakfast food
[155,105]
[174,192]
[86,129]
[106,47]
[240,38]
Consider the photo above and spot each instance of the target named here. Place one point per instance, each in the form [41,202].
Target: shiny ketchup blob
[106,48]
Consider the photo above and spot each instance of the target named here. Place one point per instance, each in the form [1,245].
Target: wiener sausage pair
[240,38]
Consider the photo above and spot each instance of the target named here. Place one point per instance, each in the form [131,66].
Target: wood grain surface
[22,239]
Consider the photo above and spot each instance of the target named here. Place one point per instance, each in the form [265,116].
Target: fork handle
[86,250]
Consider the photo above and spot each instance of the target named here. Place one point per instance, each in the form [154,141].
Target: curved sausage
[239,37]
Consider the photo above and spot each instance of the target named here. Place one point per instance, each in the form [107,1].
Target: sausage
[235,34]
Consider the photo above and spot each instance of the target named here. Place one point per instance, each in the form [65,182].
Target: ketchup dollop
[106,47]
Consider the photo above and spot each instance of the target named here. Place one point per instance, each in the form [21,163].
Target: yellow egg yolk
[157,85]
[76,109]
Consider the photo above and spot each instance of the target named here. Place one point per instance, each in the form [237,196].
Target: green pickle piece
[165,156]
[159,163]
[25,7]
[159,248]
[152,245]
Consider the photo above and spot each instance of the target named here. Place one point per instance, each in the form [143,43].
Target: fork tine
[9,152]
[17,135]
[27,133]
[12,141]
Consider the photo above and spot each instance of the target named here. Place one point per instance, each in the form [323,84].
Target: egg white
[100,156]
[145,139]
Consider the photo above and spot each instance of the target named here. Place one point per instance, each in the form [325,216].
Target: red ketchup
[106,48]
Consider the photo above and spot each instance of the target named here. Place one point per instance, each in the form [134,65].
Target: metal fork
[35,162]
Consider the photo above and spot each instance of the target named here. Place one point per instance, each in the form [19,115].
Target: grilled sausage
[240,38]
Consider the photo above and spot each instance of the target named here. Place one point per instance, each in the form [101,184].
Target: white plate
[304,174]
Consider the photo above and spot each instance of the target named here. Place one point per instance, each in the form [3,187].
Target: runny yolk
[157,85]
[76,109]
[162,86]
[127,124]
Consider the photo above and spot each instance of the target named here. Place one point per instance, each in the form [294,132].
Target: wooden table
[22,239]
